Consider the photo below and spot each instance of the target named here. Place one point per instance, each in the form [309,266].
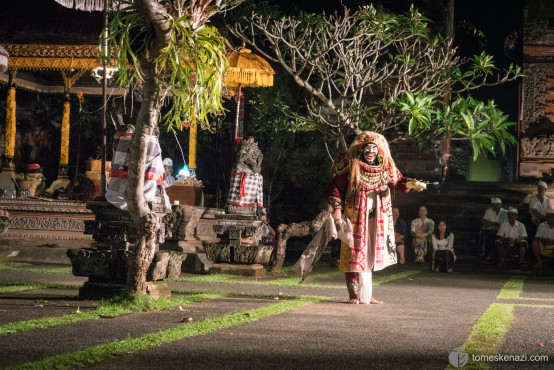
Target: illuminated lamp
[184,173]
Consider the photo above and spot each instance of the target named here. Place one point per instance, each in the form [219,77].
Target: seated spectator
[539,204]
[443,248]
[168,178]
[543,244]
[421,229]
[400,234]
[510,239]
[492,219]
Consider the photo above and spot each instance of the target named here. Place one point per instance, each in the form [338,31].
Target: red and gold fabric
[373,228]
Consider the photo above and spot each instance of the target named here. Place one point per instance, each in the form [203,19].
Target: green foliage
[372,69]
[483,125]
[419,107]
[191,67]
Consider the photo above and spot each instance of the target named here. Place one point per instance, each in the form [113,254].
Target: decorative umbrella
[86,5]
[246,70]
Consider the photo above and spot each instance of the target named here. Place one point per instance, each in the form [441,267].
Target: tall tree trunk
[145,221]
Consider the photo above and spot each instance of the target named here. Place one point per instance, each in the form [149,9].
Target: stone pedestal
[158,289]
[107,265]
[244,270]
[8,180]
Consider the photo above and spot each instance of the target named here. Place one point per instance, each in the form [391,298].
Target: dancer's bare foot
[354,301]
[374,301]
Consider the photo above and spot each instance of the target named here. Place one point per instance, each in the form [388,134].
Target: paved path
[424,317]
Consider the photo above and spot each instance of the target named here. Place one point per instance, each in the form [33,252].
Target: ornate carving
[218,252]
[538,147]
[53,63]
[534,30]
[538,90]
[50,223]
[166,264]
[55,206]
[100,265]
[52,51]
[252,253]
[193,221]
[249,158]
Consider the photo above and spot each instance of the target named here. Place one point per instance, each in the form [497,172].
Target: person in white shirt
[539,204]
[168,172]
[492,219]
[422,229]
[511,238]
[443,248]
[544,239]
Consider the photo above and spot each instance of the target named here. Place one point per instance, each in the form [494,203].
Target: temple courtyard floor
[466,319]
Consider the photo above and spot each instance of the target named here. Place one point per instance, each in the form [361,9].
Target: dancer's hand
[337,215]
[416,185]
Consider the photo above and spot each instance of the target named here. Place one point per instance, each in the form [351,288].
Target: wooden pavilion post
[9,139]
[63,178]
[7,176]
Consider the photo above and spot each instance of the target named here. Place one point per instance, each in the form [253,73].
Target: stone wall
[536,154]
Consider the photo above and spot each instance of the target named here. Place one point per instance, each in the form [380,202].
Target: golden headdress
[370,137]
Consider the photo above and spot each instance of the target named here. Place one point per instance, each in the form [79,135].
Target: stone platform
[244,270]
[46,221]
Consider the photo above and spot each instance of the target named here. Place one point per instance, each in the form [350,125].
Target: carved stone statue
[249,158]
[246,191]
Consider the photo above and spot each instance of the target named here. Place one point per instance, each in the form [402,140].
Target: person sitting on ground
[511,238]
[400,234]
[443,248]
[493,218]
[539,204]
[421,229]
[168,178]
[543,244]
